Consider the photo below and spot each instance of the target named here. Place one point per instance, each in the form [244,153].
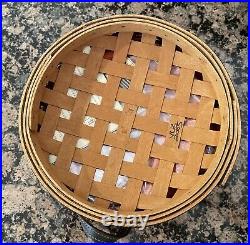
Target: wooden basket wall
[201,73]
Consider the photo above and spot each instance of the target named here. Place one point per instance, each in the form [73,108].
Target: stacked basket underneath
[133,114]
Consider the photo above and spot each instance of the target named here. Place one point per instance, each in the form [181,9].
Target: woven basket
[130,113]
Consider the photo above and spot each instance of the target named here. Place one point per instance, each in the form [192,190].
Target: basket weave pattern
[108,56]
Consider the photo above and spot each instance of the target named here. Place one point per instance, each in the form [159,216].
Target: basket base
[103,233]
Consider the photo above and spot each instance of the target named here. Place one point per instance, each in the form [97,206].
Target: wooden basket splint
[130,113]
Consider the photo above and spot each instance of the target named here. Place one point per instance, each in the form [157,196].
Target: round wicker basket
[130,113]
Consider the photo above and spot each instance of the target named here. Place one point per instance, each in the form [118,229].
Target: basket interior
[128,120]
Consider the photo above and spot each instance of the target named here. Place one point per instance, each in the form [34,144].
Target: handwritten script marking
[175,130]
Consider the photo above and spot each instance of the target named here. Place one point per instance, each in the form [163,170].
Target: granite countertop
[29,212]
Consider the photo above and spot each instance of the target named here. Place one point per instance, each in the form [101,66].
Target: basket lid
[130,119]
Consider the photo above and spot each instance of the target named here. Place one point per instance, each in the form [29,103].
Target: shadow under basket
[130,114]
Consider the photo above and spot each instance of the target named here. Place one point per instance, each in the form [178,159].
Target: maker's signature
[175,129]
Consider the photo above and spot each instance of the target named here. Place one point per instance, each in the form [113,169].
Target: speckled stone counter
[29,212]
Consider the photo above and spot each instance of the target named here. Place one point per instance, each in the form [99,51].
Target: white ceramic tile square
[159,139]
[79,71]
[141,111]
[121,181]
[75,168]
[184,145]
[86,50]
[105,151]
[98,175]
[119,106]
[65,114]
[82,143]
[96,99]
[135,133]
[189,122]
[52,158]
[112,127]
[101,78]
[72,92]
[58,135]
[89,121]
[178,168]
[129,156]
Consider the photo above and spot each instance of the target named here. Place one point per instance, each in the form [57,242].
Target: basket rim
[111,18]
